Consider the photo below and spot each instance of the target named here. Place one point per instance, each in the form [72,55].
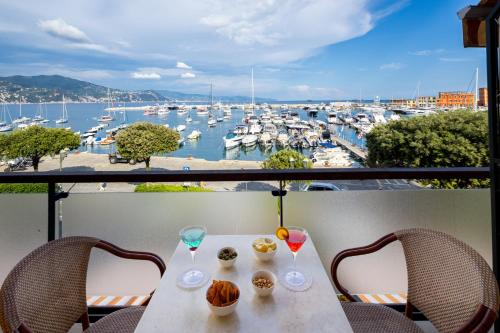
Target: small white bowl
[221,311]
[227,263]
[264,274]
[265,256]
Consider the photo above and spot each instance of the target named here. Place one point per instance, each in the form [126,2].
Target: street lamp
[292,161]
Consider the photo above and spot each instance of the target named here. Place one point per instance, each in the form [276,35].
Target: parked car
[117,158]
[318,186]
[19,163]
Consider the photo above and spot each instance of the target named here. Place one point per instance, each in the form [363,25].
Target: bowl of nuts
[263,282]
[227,256]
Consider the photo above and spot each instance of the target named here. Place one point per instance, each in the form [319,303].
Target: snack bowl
[264,248]
[267,275]
[222,311]
[226,263]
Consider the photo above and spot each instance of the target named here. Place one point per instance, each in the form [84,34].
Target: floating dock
[350,147]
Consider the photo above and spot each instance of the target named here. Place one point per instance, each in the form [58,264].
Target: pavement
[99,162]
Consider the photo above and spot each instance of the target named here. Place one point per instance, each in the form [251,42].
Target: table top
[173,309]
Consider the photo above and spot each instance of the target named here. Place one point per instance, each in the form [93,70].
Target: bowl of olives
[227,256]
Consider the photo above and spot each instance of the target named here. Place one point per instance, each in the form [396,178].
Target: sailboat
[4,125]
[64,115]
[108,117]
[211,120]
[41,116]
[21,119]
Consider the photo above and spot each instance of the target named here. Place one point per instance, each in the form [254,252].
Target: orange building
[483,97]
[455,100]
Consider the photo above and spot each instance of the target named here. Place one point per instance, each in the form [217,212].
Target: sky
[299,49]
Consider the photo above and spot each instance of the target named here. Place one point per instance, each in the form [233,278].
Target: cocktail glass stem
[294,263]
[193,254]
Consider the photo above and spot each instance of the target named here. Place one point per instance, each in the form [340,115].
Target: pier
[350,147]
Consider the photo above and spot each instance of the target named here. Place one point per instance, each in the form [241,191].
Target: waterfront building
[483,97]
[456,99]
[403,102]
[426,101]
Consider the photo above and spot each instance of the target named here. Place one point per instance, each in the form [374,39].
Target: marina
[330,134]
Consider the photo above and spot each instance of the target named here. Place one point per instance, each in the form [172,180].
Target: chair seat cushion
[123,321]
[375,318]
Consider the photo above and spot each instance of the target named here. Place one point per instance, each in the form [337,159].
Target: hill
[51,88]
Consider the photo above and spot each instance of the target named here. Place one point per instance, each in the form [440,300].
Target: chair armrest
[379,244]
[119,252]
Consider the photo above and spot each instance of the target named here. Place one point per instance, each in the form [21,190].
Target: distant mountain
[51,88]
[178,96]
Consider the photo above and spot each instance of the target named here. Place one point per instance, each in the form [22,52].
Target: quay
[349,146]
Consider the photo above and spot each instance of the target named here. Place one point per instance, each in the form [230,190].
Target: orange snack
[222,293]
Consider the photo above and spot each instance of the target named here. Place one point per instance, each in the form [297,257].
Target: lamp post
[292,161]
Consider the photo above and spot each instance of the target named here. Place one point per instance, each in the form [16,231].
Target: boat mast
[476,90]
[253,94]
[417,104]
[20,112]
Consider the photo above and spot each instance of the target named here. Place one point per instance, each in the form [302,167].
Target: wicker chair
[46,291]
[448,281]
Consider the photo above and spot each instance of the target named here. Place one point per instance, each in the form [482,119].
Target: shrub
[169,188]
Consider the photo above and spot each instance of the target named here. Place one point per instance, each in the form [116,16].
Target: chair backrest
[448,281]
[46,291]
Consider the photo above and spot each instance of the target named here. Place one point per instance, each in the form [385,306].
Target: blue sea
[83,116]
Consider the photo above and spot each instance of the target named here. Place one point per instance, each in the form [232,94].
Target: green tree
[451,139]
[142,140]
[287,159]
[3,145]
[36,142]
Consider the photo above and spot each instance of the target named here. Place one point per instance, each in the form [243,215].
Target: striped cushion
[116,300]
[393,298]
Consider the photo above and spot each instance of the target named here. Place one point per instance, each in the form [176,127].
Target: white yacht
[254,129]
[271,129]
[180,128]
[232,140]
[362,118]
[212,122]
[249,140]
[194,135]
[227,114]
[241,130]
[189,119]
[266,139]
[282,140]
[202,111]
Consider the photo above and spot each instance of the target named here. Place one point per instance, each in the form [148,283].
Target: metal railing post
[51,226]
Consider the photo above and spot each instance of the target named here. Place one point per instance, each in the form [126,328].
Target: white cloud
[392,66]
[188,75]
[182,65]
[266,32]
[301,88]
[425,53]
[60,29]
[455,59]
[146,76]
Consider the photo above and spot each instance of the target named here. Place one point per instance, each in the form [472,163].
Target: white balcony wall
[335,221]
[23,227]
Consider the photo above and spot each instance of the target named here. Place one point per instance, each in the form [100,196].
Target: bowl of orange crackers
[222,297]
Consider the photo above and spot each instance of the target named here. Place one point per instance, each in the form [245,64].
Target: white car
[318,186]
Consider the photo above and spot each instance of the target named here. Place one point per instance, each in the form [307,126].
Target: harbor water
[210,146]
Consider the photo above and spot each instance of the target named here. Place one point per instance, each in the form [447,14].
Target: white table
[177,310]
